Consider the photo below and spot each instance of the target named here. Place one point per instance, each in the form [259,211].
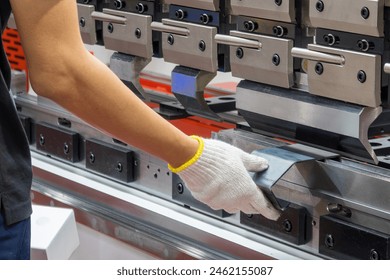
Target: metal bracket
[128,69]
[280,161]
[188,87]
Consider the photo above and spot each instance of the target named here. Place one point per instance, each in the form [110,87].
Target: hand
[218,176]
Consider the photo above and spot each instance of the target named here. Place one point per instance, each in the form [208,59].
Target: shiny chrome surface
[159,26]
[237,41]
[318,56]
[109,15]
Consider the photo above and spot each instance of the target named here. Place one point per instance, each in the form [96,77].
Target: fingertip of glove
[272,214]
[255,163]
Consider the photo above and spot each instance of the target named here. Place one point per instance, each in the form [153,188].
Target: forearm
[93,93]
[62,70]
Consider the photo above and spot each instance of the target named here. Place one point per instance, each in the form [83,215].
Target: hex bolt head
[171,39]
[240,53]
[365,13]
[320,6]
[362,76]
[110,27]
[41,140]
[66,148]
[278,2]
[319,68]
[329,241]
[202,45]
[374,255]
[82,22]
[287,225]
[92,157]
[276,59]
[180,188]
[138,33]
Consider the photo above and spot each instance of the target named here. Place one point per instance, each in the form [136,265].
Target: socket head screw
[110,27]
[320,6]
[171,39]
[202,45]
[138,33]
[362,76]
[82,22]
[329,241]
[91,157]
[276,59]
[365,12]
[319,68]
[240,53]
[278,2]
[180,188]
[374,255]
[287,225]
[66,148]
[41,140]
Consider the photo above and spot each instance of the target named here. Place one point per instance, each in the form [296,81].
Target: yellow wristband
[193,159]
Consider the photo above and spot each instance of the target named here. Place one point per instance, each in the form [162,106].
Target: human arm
[61,69]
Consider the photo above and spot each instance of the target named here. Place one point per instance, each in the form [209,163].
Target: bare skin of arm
[61,69]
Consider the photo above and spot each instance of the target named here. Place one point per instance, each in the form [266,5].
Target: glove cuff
[191,161]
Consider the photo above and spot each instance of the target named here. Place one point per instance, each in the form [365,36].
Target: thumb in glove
[218,176]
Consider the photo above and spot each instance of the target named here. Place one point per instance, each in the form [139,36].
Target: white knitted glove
[218,176]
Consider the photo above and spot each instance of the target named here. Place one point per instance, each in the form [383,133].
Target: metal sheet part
[280,161]
[359,16]
[198,49]
[271,64]
[273,10]
[130,34]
